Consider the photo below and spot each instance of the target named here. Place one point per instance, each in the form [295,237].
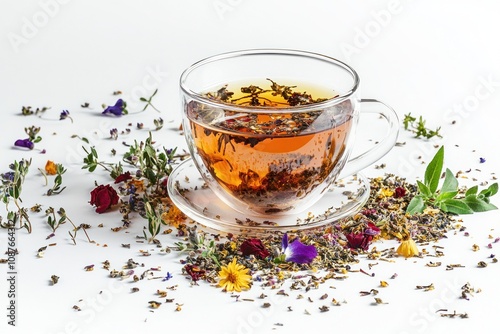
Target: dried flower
[297,252]
[51,168]
[234,277]
[25,143]
[65,114]
[362,240]
[254,247]
[399,192]
[194,271]
[407,248]
[103,197]
[118,109]
[169,276]
[123,177]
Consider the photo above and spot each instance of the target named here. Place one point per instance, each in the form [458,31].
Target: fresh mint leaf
[472,191]
[455,206]
[490,191]
[450,183]
[478,205]
[424,190]
[445,195]
[417,204]
[433,171]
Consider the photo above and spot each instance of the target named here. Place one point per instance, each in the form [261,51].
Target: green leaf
[424,190]
[478,205]
[450,183]
[471,191]
[416,204]
[456,206]
[446,195]
[433,170]
[490,191]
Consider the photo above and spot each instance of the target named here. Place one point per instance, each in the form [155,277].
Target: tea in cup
[270,131]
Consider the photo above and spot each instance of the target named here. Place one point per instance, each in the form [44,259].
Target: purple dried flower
[64,114]
[297,252]
[24,143]
[9,176]
[482,160]
[118,109]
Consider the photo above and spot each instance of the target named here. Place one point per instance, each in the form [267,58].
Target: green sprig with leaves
[418,127]
[148,101]
[152,165]
[52,221]
[198,243]
[91,161]
[32,133]
[153,215]
[449,198]
[10,190]
[56,188]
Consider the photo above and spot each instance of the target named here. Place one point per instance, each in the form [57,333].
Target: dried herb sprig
[52,221]
[27,110]
[32,133]
[72,234]
[152,165]
[56,188]
[254,95]
[91,161]
[148,101]
[201,245]
[11,189]
[418,127]
[153,215]
[449,198]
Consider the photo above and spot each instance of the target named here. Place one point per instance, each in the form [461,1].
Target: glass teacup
[270,131]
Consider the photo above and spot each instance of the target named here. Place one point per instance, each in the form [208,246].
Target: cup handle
[370,156]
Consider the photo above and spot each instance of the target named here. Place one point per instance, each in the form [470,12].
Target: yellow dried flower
[51,168]
[386,192]
[234,277]
[407,248]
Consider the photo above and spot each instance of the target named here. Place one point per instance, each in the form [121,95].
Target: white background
[439,59]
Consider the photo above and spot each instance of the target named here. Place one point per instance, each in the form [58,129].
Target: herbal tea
[270,160]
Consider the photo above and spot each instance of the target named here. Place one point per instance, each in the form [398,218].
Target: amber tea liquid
[270,161]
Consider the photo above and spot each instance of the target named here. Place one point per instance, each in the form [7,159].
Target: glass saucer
[189,193]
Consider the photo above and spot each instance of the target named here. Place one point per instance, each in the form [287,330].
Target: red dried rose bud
[399,192]
[103,197]
[254,247]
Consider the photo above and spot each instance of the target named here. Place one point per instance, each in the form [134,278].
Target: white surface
[436,59]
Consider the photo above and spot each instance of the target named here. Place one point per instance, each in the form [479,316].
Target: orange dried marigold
[173,216]
[50,168]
